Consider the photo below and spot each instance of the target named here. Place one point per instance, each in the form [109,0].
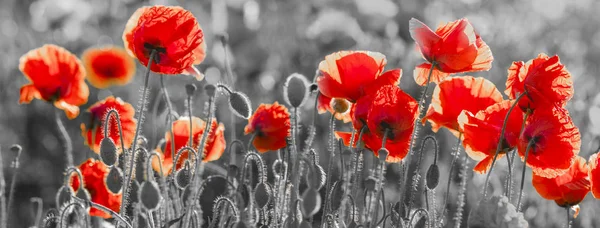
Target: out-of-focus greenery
[270,39]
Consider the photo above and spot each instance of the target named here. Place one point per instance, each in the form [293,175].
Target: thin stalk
[67,139]
[124,200]
[106,125]
[454,158]
[13,181]
[191,133]
[231,80]
[499,147]
[3,212]
[169,115]
[462,193]
[357,163]
[568,217]
[531,142]
[512,159]
[331,149]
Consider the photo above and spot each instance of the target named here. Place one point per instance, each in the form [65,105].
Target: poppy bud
[114,180]
[311,202]
[432,177]
[337,195]
[83,194]
[140,163]
[210,90]
[190,89]
[340,105]
[149,196]
[317,178]
[183,176]
[262,194]
[240,105]
[142,141]
[295,90]
[134,189]
[108,151]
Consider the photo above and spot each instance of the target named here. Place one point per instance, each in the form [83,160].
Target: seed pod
[108,151]
[190,89]
[149,195]
[83,194]
[114,180]
[340,105]
[295,90]
[64,194]
[210,90]
[183,176]
[240,105]
[370,183]
[383,154]
[262,194]
[432,177]
[311,202]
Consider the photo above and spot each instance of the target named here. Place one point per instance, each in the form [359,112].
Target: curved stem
[13,181]
[38,212]
[118,119]
[137,132]
[499,147]
[529,145]
[169,115]
[66,137]
[568,217]
[512,159]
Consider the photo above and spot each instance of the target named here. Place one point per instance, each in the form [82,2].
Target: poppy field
[321,113]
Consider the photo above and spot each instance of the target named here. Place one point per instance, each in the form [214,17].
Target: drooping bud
[114,180]
[183,176]
[108,151]
[262,194]
[432,177]
[340,105]
[311,202]
[149,195]
[295,90]
[240,105]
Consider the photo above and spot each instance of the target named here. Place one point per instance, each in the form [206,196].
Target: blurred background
[269,40]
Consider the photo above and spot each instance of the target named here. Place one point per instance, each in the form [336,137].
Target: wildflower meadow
[320,113]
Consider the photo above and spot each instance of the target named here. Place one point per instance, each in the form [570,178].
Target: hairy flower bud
[240,105]
[108,151]
[295,90]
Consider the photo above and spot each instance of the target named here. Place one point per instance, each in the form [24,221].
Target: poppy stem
[330,165]
[357,162]
[3,211]
[169,115]
[124,200]
[499,147]
[66,137]
[114,113]
[454,158]
[531,142]
[512,159]
[228,69]
[458,217]
[191,133]
[568,217]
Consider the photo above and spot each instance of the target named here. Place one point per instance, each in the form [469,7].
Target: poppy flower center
[154,46]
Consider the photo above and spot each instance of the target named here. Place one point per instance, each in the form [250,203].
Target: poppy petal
[567,189]
[594,174]
[423,36]
[28,93]
[71,110]
[421,74]
[270,125]
[390,77]
[194,72]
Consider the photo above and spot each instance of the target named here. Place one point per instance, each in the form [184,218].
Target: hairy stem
[529,145]
[499,147]
[454,158]
[67,139]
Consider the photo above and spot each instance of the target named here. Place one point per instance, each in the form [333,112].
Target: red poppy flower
[556,141]
[545,79]
[108,66]
[214,148]
[454,48]
[177,50]
[595,175]
[271,125]
[568,189]
[93,133]
[453,95]
[481,133]
[56,76]
[94,176]
[350,75]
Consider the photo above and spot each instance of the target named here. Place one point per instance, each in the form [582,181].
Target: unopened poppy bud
[240,105]
[432,177]
[149,195]
[337,195]
[190,89]
[383,154]
[317,178]
[183,176]
[340,105]
[311,202]
[262,194]
[210,90]
[295,90]
[370,183]
[134,189]
[114,180]
[108,151]
[83,194]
